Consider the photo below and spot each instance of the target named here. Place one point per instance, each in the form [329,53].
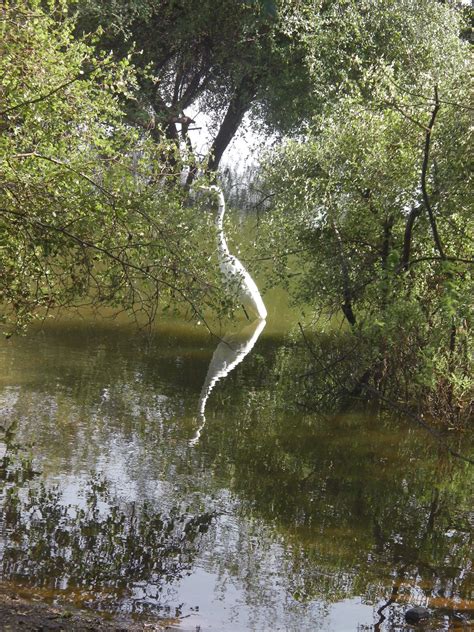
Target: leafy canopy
[87,213]
[377,204]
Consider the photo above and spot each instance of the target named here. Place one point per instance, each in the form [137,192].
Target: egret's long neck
[223,248]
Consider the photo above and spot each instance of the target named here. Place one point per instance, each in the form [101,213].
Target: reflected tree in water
[365,505]
[309,510]
[104,552]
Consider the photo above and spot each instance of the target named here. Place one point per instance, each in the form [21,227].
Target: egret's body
[233,271]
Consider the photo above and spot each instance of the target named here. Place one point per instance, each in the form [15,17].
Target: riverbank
[20,611]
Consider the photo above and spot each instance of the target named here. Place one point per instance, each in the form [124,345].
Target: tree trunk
[238,106]
[346,282]
[424,173]
[414,213]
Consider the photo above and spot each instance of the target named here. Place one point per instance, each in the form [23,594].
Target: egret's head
[212,188]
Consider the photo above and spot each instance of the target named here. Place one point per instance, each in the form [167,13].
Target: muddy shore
[18,611]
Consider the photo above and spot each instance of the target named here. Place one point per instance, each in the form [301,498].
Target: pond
[165,476]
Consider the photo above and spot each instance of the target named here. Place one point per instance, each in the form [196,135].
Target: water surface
[123,493]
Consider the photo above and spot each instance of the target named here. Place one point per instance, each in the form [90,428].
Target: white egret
[234,273]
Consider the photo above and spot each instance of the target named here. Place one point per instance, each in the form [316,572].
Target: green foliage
[377,204]
[88,213]
[222,58]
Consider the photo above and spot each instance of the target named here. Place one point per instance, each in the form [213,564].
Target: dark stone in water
[460,618]
[416,614]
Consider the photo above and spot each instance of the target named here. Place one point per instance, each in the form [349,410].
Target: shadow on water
[275,519]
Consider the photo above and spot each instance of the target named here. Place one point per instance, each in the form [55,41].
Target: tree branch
[407,239]
[126,265]
[346,285]
[55,161]
[42,97]
[238,106]
[425,98]
[396,107]
[454,259]
[79,77]
[424,172]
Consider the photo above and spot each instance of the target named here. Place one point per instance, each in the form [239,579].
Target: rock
[416,614]
[460,618]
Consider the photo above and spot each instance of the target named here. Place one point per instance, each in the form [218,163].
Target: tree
[226,59]
[377,203]
[87,212]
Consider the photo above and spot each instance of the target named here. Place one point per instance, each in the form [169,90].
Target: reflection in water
[277,520]
[228,354]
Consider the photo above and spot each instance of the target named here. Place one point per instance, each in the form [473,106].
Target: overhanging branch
[125,264]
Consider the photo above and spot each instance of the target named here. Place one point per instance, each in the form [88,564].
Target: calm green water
[127,486]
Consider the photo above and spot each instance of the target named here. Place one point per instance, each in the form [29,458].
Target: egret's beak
[196,189]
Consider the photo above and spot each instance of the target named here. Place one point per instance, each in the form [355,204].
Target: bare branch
[424,172]
[462,106]
[396,107]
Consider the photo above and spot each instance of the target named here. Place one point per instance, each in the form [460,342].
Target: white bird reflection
[228,354]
